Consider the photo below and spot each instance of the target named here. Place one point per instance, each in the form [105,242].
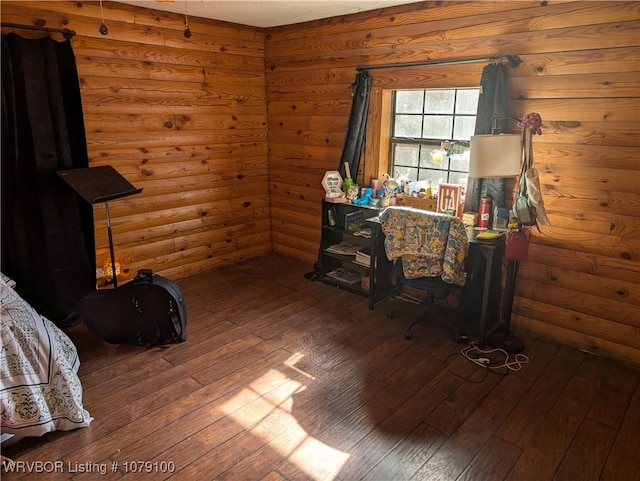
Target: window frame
[424,169]
[376,150]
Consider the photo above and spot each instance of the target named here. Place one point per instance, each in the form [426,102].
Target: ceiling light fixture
[103,28]
[187,30]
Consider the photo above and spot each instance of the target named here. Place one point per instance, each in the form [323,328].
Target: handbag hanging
[517,245]
[529,206]
[522,208]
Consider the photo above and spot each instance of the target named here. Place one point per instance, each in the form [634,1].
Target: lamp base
[508,342]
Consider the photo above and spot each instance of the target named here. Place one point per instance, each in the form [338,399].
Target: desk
[379,269]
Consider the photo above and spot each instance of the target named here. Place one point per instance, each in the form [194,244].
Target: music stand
[100,184]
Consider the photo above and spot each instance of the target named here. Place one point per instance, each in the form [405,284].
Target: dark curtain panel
[492,111]
[361,90]
[48,245]
[357,124]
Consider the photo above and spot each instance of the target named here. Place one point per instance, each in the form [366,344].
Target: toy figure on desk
[366,198]
[352,193]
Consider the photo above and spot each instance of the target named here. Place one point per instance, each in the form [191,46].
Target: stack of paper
[344,275]
[363,257]
[344,248]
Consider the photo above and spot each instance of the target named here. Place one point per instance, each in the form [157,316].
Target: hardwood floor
[282,378]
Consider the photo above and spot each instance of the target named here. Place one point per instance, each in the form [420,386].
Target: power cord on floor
[494,360]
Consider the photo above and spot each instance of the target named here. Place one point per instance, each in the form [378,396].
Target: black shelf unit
[334,231]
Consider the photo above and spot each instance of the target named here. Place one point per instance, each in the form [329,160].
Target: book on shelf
[353,218]
[344,275]
[363,257]
[343,248]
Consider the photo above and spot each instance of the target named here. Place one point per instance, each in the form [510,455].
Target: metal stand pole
[505,340]
[113,257]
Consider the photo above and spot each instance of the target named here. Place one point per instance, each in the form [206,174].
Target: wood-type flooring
[283,378]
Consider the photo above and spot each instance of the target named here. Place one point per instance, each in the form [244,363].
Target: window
[430,134]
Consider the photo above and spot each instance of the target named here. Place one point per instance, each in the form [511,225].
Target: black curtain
[48,244]
[492,112]
[352,148]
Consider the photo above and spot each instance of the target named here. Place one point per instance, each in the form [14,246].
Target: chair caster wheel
[408,336]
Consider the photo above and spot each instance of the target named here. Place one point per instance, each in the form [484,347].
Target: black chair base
[430,303]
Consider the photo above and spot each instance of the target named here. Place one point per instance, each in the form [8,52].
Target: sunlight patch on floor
[270,419]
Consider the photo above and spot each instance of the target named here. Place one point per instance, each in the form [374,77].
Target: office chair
[428,250]
[430,293]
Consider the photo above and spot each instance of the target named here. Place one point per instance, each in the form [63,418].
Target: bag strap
[527,160]
[527,145]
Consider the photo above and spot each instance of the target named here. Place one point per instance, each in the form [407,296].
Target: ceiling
[265,13]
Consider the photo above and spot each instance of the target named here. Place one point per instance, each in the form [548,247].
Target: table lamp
[495,155]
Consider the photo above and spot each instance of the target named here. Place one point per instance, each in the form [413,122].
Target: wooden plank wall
[185,119]
[580,71]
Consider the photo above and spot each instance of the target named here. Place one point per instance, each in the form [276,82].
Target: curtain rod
[514,61]
[66,33]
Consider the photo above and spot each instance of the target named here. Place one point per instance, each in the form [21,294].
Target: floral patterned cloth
[430,244]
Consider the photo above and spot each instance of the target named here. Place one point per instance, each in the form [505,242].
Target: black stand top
[98,184]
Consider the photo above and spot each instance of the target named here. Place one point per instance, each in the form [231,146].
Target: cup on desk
[470,231]
[473,231]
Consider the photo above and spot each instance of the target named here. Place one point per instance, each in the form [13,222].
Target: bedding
[40,390]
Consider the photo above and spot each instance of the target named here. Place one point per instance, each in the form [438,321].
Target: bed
[40,390]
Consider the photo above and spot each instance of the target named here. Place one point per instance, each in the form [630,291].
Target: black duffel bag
[149,310]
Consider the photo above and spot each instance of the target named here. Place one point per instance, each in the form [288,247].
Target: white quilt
[39,386]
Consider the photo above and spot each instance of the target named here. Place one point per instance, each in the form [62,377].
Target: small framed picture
[449,199]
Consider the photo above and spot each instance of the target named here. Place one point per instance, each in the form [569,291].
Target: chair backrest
[430,244]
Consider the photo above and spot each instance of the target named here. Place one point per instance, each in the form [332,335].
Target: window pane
[406,155]
[437,176]
[438,127]
[409,101]
[459,178]
[439,101]
[467,102]
[460,162]
[464,128]
[434,157]
[411,173]
[408,126]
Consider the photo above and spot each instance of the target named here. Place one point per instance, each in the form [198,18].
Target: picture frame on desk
[449,199]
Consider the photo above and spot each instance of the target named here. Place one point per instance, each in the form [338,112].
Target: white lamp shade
[495,155]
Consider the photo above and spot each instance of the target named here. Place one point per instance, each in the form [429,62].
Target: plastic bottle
[485,212]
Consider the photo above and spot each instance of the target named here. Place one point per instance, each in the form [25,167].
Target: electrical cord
[494,360]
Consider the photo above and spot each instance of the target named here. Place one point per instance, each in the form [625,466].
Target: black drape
[492,111]
[352,148]
[48,245]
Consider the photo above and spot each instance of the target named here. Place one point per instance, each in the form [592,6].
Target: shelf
[353,288]
[378,272]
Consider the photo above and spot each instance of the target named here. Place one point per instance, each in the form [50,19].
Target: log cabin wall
[186,120]
[182,118]
[581,281]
